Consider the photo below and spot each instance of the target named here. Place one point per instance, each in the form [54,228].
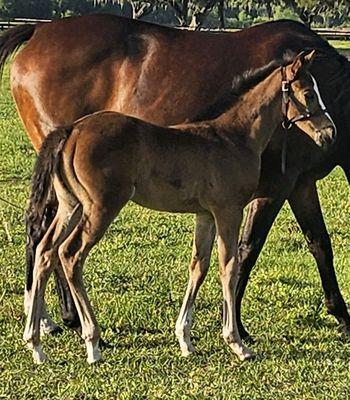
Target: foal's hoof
[246,356]
[39,357]
[94,355]
[243,353]
[94,360]
[188,352]
[186,348]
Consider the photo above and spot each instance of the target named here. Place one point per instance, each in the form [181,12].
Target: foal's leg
[306,208]
[45,259]
[202,246]
[73,252]
[227,225]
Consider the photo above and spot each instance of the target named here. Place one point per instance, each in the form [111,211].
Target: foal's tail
[11,39]
[42,204]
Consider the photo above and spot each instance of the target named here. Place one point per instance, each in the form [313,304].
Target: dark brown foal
[208,168]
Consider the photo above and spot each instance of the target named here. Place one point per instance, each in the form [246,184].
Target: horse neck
[256,114]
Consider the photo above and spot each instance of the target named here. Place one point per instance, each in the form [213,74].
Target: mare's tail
[42,204]
[11,39]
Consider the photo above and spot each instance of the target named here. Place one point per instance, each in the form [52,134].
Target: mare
[79,65]
[210,168]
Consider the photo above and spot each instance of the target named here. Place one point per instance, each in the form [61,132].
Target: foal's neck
[256,114]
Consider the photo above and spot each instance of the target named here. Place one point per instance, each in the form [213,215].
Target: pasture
[136,278]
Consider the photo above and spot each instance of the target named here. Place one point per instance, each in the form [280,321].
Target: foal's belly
[171,197]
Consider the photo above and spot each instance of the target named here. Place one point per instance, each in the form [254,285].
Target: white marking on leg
[93,351]
[184,324]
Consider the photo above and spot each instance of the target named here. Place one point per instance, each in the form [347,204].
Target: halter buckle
[285,86]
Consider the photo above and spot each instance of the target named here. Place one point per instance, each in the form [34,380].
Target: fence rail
[330,34]
[5,24]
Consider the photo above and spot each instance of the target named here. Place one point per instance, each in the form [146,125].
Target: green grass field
[136,278]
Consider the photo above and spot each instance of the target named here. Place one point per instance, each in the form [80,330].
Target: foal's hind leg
[202,246]
[227,225]
[73,252]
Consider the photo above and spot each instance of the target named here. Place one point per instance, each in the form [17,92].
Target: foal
[208,168]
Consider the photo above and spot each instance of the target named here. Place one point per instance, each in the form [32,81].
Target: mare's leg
[261,214]
[347,173]
[228,222]
[96,218]
[202,246]
[45,259]
[305,204]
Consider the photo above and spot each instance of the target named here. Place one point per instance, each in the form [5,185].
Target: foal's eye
[309,95]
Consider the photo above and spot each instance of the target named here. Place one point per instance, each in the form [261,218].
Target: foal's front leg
[202,246]
[227,225]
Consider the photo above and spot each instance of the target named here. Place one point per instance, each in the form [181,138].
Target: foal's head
[302,104]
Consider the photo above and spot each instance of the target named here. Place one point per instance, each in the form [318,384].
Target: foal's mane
[241,84]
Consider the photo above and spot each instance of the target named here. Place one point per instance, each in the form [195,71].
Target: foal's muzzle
[326,136]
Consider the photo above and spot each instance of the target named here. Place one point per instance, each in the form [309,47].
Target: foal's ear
[302,61]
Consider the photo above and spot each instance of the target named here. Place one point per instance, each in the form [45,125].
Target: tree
[139,8]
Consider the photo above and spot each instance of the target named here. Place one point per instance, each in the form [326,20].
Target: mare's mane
[241,84]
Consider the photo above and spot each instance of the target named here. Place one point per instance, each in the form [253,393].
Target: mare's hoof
[49,328]
[54,331]
[105,345]
[345,329]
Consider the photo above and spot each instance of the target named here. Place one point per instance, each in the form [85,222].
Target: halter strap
[287,124]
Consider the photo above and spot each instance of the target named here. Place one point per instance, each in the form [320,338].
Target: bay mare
[79,65]
[209,168]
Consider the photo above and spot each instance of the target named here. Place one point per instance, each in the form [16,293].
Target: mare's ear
[302,61]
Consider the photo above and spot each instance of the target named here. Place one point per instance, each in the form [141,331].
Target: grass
[340,44]
[136,278]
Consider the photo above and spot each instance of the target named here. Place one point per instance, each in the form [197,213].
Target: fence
[330,34]
[19,21]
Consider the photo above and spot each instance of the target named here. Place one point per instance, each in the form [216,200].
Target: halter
[288,123]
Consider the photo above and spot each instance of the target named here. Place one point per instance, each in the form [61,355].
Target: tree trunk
[200,14]
[221,9]
[181,11]
[139,11]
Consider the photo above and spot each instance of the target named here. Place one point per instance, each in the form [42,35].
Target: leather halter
[287,123]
